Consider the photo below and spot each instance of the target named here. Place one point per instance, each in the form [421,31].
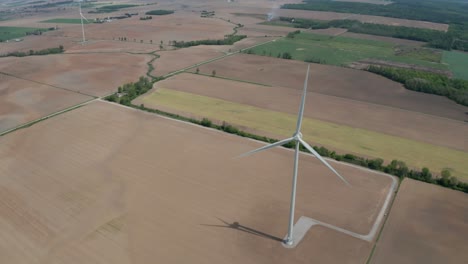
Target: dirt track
[427,224]
[334,81]
[117,194]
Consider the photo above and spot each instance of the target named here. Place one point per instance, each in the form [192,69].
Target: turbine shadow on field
[242,228]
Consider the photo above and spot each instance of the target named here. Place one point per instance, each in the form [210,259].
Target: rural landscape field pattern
[121,126]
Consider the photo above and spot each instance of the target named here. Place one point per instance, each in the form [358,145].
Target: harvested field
[23,101]
[113,46]
[92,74]
[392,121]
[178,59]
[117,195]
[339,138]
[427,224]
[35,43]
[180,26]
[334,81]
[173,60]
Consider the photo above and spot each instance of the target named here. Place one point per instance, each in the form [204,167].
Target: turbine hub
[297,136]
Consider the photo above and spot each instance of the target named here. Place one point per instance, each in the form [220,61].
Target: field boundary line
[50,85]
[215,59]
[230,79]
[30,123]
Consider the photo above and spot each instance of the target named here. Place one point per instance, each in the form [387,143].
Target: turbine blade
[307,146]
[301,108]
[279,143]
[84,17]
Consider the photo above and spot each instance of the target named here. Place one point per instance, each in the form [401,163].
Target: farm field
[395,41]
[458,63]
[23,101]
[8,33]
[170,61]
[382,119]
[66,21]
[340,138]
[351,84]
[377,2]
[319,15]
[344,51]
[173,60]
[180,26]
[103,197]
[91,74]
[113,46]
[427,224]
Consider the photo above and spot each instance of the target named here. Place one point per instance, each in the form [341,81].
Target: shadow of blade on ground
[242,228]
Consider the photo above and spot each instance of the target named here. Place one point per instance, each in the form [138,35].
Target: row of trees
[426,82]
[130,91]
[229,40]
[34,52]
[451,12]
[448,12]
[453,39]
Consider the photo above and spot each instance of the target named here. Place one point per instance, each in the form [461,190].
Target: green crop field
[338,137]
[66,21]
[457,63]
[344,50]
[111,8]
[7,33]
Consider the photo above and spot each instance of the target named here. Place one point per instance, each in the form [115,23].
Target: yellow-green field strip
[359,141]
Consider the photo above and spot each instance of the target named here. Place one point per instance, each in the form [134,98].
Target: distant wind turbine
[82,25]
[297,138]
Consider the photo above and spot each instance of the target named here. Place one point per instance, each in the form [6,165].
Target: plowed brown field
[427,224]
[23,101]
[107,184]
[397,122]
[93,74]
[334,81]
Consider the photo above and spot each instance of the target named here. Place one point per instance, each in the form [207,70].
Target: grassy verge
[359,141]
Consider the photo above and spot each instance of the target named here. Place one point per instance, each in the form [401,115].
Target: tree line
[451,12]
[453,39]
[57,50]
[130,91]
[426,82]
[229,40]
[447,12]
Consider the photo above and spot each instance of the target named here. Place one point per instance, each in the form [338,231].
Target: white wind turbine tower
[297,138]
[82,25]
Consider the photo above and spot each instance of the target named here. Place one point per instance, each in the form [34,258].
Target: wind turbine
[297,138]
[82,26]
